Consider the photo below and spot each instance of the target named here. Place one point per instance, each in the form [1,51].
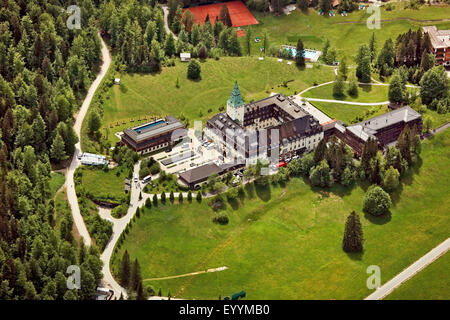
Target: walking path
[166,24]
[409,272]
[189,274]
[71,194]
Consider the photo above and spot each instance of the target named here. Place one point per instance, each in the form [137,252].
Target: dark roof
[200,173]
[298,127]
[371,126]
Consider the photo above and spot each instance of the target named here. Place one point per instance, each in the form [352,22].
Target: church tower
[235,105]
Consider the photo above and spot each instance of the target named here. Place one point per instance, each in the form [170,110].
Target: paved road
[71,195]
[409,272]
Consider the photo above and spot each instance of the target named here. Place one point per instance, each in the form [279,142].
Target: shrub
[221,219]
[376,201]
[194,70]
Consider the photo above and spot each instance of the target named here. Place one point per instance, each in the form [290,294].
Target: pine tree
[125,270]
[199,197]
[189,196]
[163,197]
[136,278]
[172,197]
[155,200]
[353,235]
[372,47]
[224,16]
[57,150]
[300,54]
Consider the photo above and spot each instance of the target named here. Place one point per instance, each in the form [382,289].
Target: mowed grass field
[150,95]
[347,112]
[285,242]
[432,283]
[105,185]
[366,93]
[346,34]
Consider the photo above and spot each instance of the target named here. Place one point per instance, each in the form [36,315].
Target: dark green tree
[353,235]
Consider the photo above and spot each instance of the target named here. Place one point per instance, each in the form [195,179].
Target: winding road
[71,194]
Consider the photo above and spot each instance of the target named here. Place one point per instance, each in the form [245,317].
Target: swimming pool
[310,55]
[144,127]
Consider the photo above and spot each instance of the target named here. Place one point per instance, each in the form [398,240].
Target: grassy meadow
[284,242]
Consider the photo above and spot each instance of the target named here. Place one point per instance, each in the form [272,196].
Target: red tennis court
[239,13]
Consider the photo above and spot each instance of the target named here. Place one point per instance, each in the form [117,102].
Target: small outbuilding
[185,56]
[116,81]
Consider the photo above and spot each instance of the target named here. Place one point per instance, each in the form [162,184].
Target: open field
[432,283]
[347,113]
[285,241]
[104,185]
[346,34]
[366,93]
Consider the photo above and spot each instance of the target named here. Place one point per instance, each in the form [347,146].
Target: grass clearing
[285,241]
[108,186]
[347,112]
[366,93]
[57,179]
[346,34]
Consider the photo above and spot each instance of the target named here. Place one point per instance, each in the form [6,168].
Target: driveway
[71,195]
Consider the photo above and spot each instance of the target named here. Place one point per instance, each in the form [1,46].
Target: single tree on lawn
[148,203]
[343,69]
[300,55]
[363,71]
[180,197]
[199,196]
[125,270]
[189,196]
[353,88]
[353,235]
[172,197]
[397,88]
[338,87]
[194,70]
[376,201]
[155,199]
[163,196]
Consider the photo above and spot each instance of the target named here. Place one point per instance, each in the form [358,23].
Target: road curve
[71,195]
[409,272]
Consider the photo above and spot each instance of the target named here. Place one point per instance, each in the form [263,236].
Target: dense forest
[45,70]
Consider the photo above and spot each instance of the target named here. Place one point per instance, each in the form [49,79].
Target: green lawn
[285,242]
[432,283]
[104,185]
[155,95]
[57,179]
[366,93]
[346,37]
[349,113]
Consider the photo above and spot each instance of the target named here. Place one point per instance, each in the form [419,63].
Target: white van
[136,178]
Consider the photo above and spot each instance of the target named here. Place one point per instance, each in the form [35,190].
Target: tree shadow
[356,256]
[365,87]
[379,220]
[250,190]
[234,203]
[263,192]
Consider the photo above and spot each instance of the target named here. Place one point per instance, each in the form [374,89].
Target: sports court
[239,13]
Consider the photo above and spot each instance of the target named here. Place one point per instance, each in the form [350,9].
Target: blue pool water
[138,130]
[308,53]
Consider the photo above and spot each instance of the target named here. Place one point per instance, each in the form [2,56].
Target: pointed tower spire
[235,98]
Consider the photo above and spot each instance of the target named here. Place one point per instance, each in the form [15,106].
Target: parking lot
[188,154]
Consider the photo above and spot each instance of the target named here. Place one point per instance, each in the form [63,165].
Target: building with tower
[274,127]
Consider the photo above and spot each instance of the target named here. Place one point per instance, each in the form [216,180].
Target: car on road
[136,178]
[192,164]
